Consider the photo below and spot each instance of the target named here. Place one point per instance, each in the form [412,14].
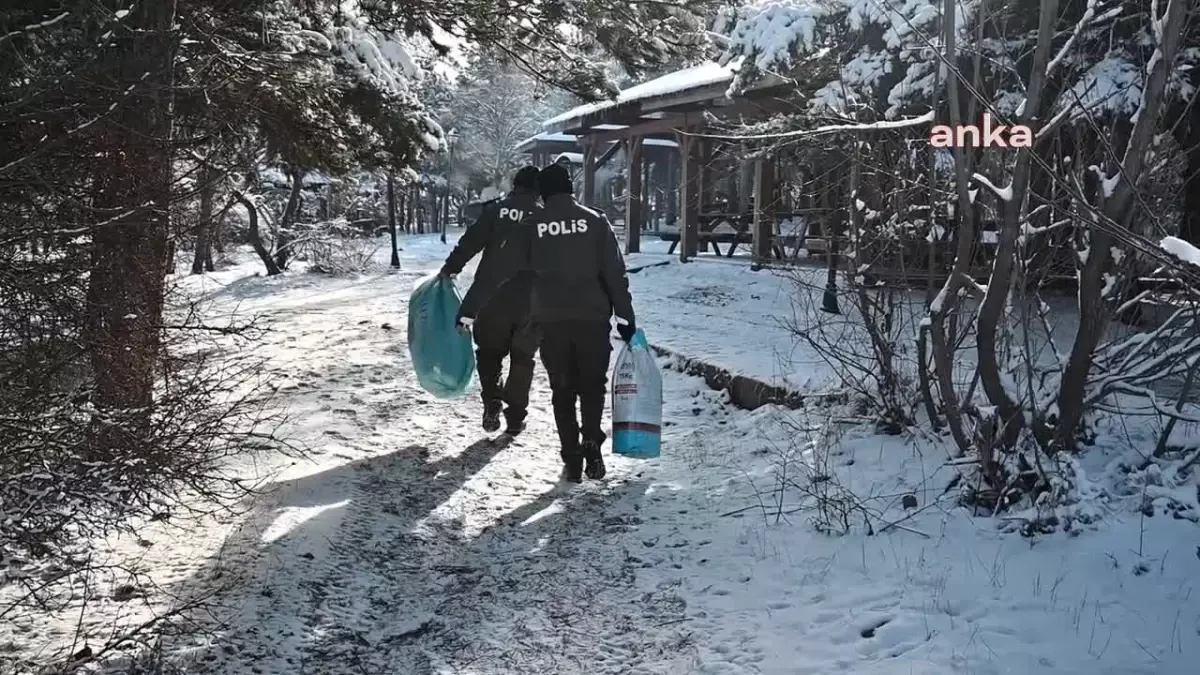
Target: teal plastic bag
[442,357]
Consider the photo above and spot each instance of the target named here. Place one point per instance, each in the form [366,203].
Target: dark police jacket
[503,280]
[580,271]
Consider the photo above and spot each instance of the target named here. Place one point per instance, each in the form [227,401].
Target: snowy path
[426,545]
[409,544]
[420,547]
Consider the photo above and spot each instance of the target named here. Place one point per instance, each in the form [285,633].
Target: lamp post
[451,143]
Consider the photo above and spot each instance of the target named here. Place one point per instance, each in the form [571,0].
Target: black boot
[516,422]
[491,416]
[595,462]
[572,466]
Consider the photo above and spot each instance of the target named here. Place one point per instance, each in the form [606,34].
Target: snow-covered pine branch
[882,125]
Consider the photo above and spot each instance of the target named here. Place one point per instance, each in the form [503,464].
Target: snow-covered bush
[1103,83]
[336,247]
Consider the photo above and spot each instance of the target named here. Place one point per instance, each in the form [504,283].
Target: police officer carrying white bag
[581,285]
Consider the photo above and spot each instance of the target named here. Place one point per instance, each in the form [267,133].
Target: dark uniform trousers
[501,332]
[576,356]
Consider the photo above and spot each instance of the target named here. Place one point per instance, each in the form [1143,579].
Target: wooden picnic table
[740,235]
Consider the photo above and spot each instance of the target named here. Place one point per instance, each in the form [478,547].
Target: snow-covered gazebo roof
[571,157]
[705,75]
[656,107]
[570,143]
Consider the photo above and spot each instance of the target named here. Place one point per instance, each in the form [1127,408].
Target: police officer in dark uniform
[581,284]
[496,308]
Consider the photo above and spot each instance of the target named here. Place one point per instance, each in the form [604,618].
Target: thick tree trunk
[410,211]
[130,250]
[255,236]
[1189,228]
[419,208]
[435,212]
[285,238]
[391,199]
[203,257]
[217,238]
[991,311]
[829,300]
[944,302]
[1117,209]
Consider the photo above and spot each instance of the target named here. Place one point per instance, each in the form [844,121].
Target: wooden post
[746,176]
[764,210]
[671,186]
[704,175]
[646,193]
[589,171]
[634,204]
[689,196]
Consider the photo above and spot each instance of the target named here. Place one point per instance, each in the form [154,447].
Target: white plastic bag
[637,401]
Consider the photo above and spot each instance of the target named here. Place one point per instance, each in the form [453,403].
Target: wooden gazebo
[680,105]
[544,147]
[660,157]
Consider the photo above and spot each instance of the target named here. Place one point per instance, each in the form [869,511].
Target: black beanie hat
[555,180]
[526,179]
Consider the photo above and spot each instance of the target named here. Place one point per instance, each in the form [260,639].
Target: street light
[451,141]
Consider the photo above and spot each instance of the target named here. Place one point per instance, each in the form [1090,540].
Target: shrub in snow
[336,247]
[990,363]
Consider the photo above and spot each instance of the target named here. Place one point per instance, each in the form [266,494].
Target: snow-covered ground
[409,543]
[718,310]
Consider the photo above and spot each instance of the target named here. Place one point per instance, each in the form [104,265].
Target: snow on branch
[1084,21]
[881,125]
[1004,193]
[47,141]
[34,26]
[1114,84]
[1181,250]
[859,77]
[378,60]
[772,30]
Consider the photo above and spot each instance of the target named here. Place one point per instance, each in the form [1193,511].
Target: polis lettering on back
[557,227]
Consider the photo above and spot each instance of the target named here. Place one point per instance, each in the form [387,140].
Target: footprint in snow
[869,630]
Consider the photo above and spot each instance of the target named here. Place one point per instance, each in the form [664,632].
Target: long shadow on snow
[381,581]
[259,286]
[320,529]
[552,589]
